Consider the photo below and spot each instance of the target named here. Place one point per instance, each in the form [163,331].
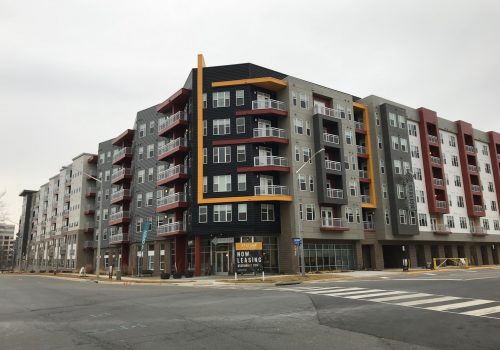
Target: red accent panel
[259,169]
[334,229]
[250,140]
[172,152]
[269,111]
[166,181]
[177,99]
[171,206]
[125,138]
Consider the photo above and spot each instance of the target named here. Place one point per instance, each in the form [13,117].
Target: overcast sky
[74,73]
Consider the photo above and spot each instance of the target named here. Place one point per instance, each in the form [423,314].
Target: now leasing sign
[248,257]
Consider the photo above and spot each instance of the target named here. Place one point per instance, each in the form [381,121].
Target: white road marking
[426,301]
[459,305]
[482,312]
[354,293]
[398,297]
[376,294]
[332,290]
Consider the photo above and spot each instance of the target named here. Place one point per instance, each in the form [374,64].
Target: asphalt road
[455,310]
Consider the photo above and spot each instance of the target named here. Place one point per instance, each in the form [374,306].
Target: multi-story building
[61,217]
[242,153]
[28,219]
[7,239]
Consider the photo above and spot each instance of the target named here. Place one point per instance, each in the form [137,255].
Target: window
[402,216]
[299,126]
[487,168]
[241,153]
[397,166]
[107,175]
[384,190]
[392,119]
[387,217]
[401,191]
[138,224]
[240,97]
[358,216]
[493,206]
[412,130]
[413,217]
[142,130]
[105,214]
[205,156]
[382,167]
[242,182]
[496,225]
[486,224]
[149,199]
[485,150]
[463,222]
[348,137]
[402,121]
[140,152]
[308,128]
[202,214]
[294,98]
[240,125]
[220,99]
[379,142]
[301,212]
[304,102]
[310,212]
[267,212]
[311,183]
[222,126]
[420,196]
[140,176]
[353,188]
[205,185]
[302,182]
[204,100]
[223,213]
[415,151]
[222,183]
[152,127]
[349,215]
[151,174]
[151,151]
[451,141]
[139,200]
[242,212]
[454,160]
[458,181]
[417,173]
[422,220]
[450,221]
[222,154]
[395,142]
[204,128]
[404,145]
[297,154]
[490,187]
[307,154]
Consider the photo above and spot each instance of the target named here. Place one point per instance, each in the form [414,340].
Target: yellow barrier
[455,262]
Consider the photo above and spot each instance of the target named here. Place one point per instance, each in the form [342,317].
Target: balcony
[277,134]
[498,157]
[174,146]
[475,188]
[433,139]
[53,219]
[472,168]
[122,217]
[361,150]
[359,126]
[62,249]
[173,201]
[441,204]
[91,192]
[67,197]
[363,175]
[169,123]
[67,181]
[118,238]
[441,229]
[120,196]
[365,198]
[65,213]
[470,149]
[334,193]
[89,210]
[265,107]
[122,155]
[64,229]
[120,175]
[435,160]
[368,225]
[178,172]
[333,165]
[438,182]
[89,229]
[271,190]
[89,245]
[92,177]
[171,229]
[331,138]
[333,224]
[478,231]
[478,208]
[329,112]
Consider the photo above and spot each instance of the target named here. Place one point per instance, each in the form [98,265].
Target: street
[435,310]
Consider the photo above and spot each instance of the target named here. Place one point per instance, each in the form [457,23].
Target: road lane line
[398,297]
[376,294]
[354,293]
[426,301]
[482,312]
[459,305]
[333,290]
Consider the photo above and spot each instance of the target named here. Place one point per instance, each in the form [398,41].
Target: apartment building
[7,239]
[61,216]
[26,223]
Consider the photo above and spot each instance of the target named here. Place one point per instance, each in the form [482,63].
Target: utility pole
[99,236]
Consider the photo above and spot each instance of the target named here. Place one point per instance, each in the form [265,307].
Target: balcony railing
[334,193]
[180,141]
[118,237]
[478,208]
[368,225]
[333,165]
[122,152]
[89,244]
[268,104]
[478,230]
[365,198]
[171,227]
[438,182]
[67,196]
[330,112]
[121,172]
[90,191]
[270,161]
[441,204]
[359,125]
[332,222]
[331,138]
[435,160]
[170,199]
[361,149]
[120,193]
[498,156]
[165,123]
[363,174]
[470,149]
[64,229]
[472,168]
[119,215]
[178,169]
[270,132]
[476,188]
[440,228]
[272,190]
[433,139]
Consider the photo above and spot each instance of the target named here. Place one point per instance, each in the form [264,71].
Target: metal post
[99,237]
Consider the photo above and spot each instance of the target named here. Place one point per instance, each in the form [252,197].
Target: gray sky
[74,73]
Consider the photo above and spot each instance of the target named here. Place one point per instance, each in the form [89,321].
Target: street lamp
[98,255]
[301,246]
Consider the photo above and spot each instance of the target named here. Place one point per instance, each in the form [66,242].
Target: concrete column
[412,253]
[441,251]
[168,256]
[156,263]
[496,254]
[379,256]
[427,253]
[358,256]
[490,254]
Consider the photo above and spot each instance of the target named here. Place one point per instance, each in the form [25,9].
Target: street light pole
[99,236]
[299,202]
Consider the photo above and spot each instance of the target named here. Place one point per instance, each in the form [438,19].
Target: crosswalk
[425,301]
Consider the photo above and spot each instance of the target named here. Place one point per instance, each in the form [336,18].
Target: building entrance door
[222,263]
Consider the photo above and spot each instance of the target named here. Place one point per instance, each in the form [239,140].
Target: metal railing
[330,112]
[363,174]
[122,152]
[365,198]
[119,215]
[433,138]
[478,229]
[435,160]
[120,193]
[178,169]
[441,204]
[180,141]
[478,208]
[498,156]
[470,149]
[65,212]
[368,225]
[333,165]
[67,196]
[166,122]
[359,125]
[268,104]
[171,227]
[361,149]
[472,168]
[475,188]
[121,172]
[118,237]
[270,132]
[270,160]
[172,198]
[438,182]
[440,228]
[332,222]
[334,193]
[331,138]
[273,190]
[88,244]
[64,229]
